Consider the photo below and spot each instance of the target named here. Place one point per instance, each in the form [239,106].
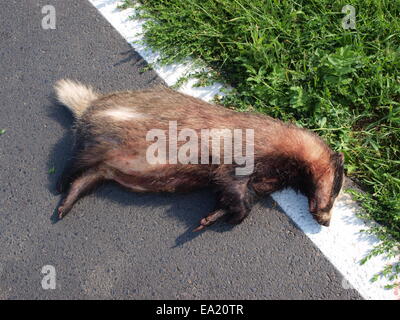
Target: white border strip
[342,243]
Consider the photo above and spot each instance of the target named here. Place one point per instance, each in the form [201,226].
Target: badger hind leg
[82,185]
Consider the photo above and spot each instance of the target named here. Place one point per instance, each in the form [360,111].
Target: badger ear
[340,157]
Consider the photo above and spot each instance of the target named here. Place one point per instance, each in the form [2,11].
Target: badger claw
[60,213]
[199,228]
[210,219]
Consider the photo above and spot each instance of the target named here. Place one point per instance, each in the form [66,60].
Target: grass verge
[294,60]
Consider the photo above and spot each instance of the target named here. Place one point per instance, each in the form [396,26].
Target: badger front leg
[235,200]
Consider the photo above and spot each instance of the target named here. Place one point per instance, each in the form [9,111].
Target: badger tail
[76,96]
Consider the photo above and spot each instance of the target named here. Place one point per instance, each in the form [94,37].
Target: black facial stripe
[337,180]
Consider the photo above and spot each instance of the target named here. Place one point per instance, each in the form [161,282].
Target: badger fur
[110,144]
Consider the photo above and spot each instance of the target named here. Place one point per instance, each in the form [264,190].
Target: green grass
[293,60]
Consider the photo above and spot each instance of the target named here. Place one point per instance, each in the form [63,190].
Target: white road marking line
[342,243]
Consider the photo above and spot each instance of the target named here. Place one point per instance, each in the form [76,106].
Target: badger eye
[313,204]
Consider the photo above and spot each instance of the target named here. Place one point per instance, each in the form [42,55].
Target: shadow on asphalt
[135,60]
[188,208]
[131,56]
[62,150]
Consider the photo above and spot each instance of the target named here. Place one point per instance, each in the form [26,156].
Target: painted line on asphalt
[342,243]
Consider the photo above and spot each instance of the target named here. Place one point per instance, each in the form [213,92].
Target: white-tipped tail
[76,96]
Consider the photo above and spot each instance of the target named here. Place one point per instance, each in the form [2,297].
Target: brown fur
[111,145]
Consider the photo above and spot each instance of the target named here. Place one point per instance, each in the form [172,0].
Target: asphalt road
[116,244]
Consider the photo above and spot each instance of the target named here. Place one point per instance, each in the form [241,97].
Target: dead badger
[116,134]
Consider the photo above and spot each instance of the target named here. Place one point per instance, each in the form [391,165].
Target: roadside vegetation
[293,60]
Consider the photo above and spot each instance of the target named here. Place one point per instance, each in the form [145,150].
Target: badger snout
[323,218]
[325,223]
